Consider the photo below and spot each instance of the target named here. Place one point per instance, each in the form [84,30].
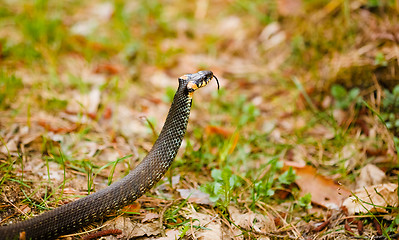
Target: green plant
[287,177]
[393,226]
[391,106]
[55,105]
[391,100]
[10,86]
[305,201]
[395,139]
[262,11]
[221,189]
[241,110]
[343,98]
[380,60]
[263,188]
[172,218]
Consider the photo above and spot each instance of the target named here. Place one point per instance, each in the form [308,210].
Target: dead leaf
[382,195]
[195,195]
[92,18]
[325,192]
[128,123]
[370,175]
[175,180]
[212,227]
[251,220]
[88,103]
[10,146]
[132,208]
[350,153]
[107,113]
[25,209]
[171,234]
[340,116]
[291,124]
[84,28]
[272,35]
[109,68]
[51,127]
[131,229]
[322,131]
[289,7]
[149,216]
[210,129]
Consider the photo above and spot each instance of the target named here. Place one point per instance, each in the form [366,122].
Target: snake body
[72,216]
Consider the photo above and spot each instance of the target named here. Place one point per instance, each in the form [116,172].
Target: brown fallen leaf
[171,234]
[87,103]
[108,68]
[133,229]
[381,195]
[251,220]
[101,233]
[289,7]
[322,131]
[57,129]
[149,216]
[195,195]
[10,146]
[210,129]
[211,226]
[370,175]
[107,113]
[325,192]
[134,207]
[25,209]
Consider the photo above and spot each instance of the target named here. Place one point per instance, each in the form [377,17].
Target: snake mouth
[199,80]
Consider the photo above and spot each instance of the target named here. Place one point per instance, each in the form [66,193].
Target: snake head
[198,80]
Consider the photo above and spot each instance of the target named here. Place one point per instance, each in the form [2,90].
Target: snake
[70,217]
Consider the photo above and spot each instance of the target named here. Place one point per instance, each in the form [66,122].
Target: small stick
[360,227]
[322,226]
[348,228]
[377,226]
[102,234]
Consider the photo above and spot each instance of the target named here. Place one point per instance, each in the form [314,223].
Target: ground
[300,142]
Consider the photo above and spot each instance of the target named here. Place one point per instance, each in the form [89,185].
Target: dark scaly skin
[70,217]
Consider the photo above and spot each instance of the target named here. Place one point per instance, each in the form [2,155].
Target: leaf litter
[115,84]
[325,192]
[374,199]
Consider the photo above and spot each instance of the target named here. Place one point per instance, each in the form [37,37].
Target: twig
[360,227]
[348,228]
[322,226]
[102,234]
[377,226]
[19,210]
[203,225]
[291,227]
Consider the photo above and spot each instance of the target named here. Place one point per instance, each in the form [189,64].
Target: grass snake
[72,216]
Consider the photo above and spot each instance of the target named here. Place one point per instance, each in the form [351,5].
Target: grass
[238,138]
[9,87]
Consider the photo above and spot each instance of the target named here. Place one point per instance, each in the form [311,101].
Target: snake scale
[72,216]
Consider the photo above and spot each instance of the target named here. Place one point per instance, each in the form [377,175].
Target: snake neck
[170,138]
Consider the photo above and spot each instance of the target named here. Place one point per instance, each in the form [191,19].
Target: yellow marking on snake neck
[192,85]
